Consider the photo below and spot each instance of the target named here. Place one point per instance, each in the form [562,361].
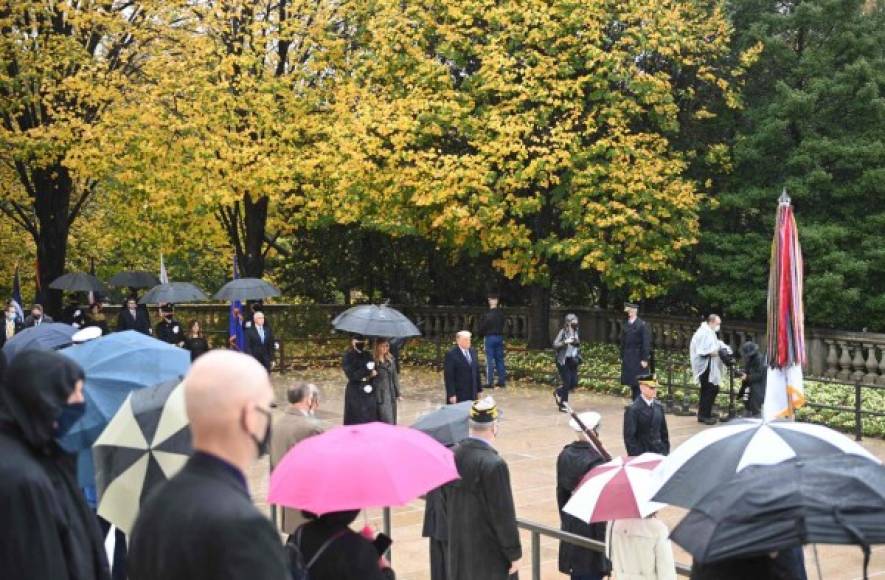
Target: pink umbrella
[360,466]
[617,490]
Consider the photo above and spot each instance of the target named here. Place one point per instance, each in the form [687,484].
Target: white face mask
[10,315]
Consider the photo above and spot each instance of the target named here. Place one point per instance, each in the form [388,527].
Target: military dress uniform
[645,427]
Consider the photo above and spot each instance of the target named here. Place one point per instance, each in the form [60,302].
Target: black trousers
[708,395]
[569,375]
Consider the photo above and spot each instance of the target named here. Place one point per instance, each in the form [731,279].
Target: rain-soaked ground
[531,436]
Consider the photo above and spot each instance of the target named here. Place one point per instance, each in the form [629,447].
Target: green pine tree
[813,122]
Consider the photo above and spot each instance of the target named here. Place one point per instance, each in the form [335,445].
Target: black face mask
[70,414]
[262,444]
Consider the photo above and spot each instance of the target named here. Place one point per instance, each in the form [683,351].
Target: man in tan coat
[296,424]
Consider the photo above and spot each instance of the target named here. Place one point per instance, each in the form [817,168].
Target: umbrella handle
[858,535]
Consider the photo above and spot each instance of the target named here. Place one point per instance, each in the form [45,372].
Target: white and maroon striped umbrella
[617,490]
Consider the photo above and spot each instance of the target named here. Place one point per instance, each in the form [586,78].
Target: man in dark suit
[202,524]
[36,317]
[259,341]
[461,371]
[645,426]
[133,318]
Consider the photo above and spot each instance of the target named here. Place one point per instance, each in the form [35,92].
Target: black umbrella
[172,293]
[47,336]
[372,320]
[836,499]
[134,279]
[246,289]
[713,457]
[146,442]
[448,424]
[78,282]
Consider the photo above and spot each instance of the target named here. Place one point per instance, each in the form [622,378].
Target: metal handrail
[537,530]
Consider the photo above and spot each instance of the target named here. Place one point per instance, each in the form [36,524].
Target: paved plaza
[531,436]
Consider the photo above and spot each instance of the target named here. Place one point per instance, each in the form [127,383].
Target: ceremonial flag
[17,297]
[235,324]
[164,277]
[784,392]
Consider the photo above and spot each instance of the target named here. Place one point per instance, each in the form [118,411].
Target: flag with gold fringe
[786,323]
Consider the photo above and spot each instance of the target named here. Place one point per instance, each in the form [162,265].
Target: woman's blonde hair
[376,354]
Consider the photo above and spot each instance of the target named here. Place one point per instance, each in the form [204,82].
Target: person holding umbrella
[483,538]
[202,524]
[36,317]
[96,317]
[48,530]
[134,317]
[360,400]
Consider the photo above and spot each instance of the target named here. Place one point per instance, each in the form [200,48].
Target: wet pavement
[531,435]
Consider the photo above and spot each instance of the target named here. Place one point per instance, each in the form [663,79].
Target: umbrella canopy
[711,458]
[616,490]
[134,279]
[146,442]
[360,466]
[827,500]
[78,282]
[373,320]
[448,424]
[246,289]
[47,336]
[173,292]
[116,365]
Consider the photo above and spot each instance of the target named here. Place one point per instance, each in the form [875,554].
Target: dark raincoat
[349,557]
[483,537]
[635,348]
[48,531]
[645,429]
[386,386]
[436,528]
[359,406]
[574,461]
[753,388]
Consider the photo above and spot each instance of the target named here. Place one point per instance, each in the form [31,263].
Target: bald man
[202,524]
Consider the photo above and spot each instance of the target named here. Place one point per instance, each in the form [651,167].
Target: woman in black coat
[348,556]
[360,400]
[755,376]
[48,531]
[386,383]
[195,342]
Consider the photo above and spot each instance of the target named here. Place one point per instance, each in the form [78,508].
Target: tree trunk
[254,224]
[539,317]
[53,187]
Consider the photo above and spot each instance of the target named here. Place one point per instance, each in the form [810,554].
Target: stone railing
[844,356]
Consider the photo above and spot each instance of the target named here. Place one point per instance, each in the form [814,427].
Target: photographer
[754,375]
[568,356]
[707,362]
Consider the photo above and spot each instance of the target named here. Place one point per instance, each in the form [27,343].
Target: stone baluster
[858,364]
[881,379]
[832,362]
[844,373]
[872,365]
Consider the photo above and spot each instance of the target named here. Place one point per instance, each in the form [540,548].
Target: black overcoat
[483,537]
[645,428]
[170,331]
[757,377]
[261,351]
[461,378]
[574,461]
[202,525]
[141,322]
[349,557]
[436,529]
[635,348]
[359,406]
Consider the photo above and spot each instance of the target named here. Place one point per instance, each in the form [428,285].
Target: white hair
[463,334]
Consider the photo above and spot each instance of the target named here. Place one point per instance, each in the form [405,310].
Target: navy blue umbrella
[115,365]
[47,336]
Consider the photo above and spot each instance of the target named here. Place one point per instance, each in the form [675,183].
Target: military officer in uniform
[635,349]
[645,426]
[168,329]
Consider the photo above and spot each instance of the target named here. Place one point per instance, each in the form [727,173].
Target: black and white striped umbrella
[147,441]
[713,457]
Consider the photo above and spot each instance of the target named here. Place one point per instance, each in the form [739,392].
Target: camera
[727,357]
